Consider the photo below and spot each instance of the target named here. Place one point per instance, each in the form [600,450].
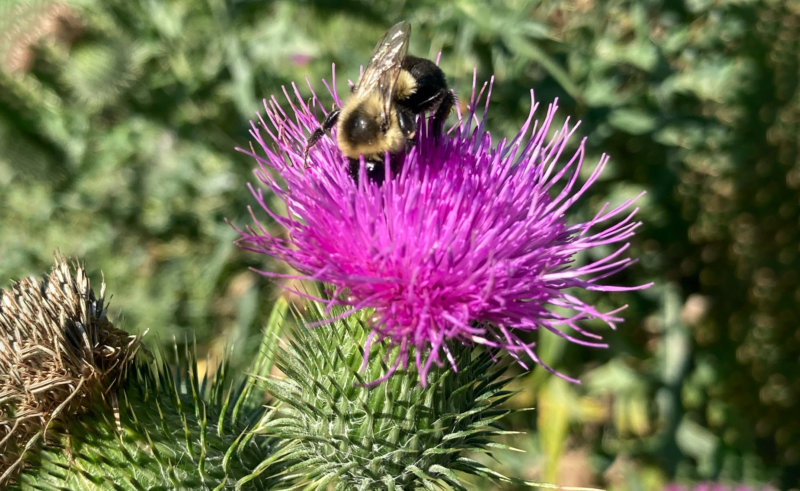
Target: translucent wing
[383,67]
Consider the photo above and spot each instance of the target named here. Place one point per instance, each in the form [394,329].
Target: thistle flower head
[468,242]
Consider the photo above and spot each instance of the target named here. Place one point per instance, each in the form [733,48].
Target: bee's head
[362,126]
[363,129]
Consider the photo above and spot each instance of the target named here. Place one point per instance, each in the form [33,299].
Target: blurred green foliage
[118,122]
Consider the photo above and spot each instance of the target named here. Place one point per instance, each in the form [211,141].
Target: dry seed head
[59,353]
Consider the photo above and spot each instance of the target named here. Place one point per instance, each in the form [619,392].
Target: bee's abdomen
[430,84]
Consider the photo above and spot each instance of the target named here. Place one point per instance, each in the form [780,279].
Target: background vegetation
[118,121]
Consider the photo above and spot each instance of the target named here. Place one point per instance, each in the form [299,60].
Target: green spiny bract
[344,432]
[175,431]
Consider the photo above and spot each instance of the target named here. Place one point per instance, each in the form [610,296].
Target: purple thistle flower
[468,242]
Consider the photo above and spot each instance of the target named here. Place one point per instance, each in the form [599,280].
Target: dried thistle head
[59,354]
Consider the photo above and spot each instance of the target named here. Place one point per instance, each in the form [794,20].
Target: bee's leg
[355,164]
[448,100]
[329,123]
[407,121]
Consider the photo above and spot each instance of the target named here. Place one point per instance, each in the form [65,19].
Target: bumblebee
[380,114]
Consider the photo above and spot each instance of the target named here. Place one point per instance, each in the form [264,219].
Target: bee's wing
[384,66]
